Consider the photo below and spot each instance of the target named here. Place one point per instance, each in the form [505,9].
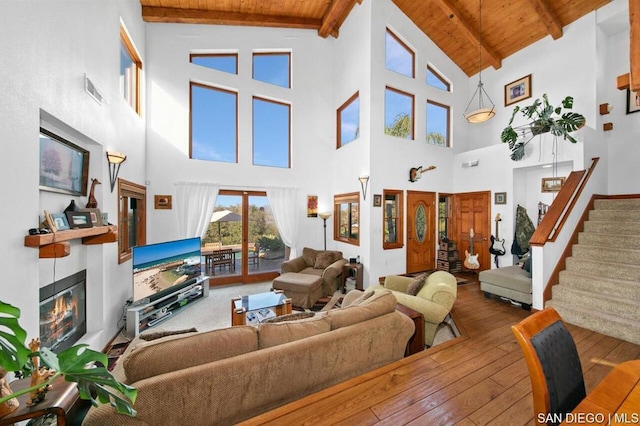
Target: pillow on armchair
[323,259]
[416,285]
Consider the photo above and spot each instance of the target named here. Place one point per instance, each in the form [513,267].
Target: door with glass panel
[242,243]
[421,231]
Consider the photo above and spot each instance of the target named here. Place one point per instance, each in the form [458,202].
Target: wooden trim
[634,44]
[348,198]
[338,9]
[548,18]
[399,218]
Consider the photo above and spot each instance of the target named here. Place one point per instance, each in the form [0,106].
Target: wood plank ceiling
[507,25]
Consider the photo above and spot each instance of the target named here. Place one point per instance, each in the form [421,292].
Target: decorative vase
[71,207]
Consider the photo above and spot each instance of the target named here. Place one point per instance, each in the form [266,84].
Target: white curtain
[286,206]
[195,202]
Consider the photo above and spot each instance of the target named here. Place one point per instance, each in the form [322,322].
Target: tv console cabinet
[146,315]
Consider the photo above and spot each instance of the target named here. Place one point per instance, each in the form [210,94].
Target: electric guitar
[416,172]
[471,259]
[497,244]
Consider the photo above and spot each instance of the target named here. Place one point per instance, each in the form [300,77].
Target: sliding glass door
[242,231]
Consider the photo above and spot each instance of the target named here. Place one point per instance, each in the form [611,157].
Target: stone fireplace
[63,319]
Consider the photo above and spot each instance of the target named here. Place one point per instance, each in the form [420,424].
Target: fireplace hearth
[63,312]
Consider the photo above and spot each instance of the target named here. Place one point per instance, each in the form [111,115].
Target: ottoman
[511,282]
[303,289]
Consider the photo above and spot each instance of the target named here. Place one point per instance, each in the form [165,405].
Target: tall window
[398,113]
[392,225]
[132,213]
[434,79]
[214,124]
[346,218]
[130,68]
[398,56]
[349,120]
[437,124]
[271,133]
[272,68]
[226,62]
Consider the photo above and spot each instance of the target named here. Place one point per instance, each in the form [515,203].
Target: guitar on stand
[497,244]
[471,259]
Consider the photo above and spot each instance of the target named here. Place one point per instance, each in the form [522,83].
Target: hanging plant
[543,118]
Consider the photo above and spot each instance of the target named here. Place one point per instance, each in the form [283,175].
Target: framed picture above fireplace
[64,166]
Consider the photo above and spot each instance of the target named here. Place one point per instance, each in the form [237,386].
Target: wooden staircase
[600,287]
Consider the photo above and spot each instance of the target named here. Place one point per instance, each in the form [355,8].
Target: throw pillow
[158,334]
[527,266]
[309,256]
[323,259]
[416,285]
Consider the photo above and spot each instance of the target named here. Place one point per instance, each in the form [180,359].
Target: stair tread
[590,312]
[600,296]
[607,279]
[604,262]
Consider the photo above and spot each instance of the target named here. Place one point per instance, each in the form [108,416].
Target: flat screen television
[160,269]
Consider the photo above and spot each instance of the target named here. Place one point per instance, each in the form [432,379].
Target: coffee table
[256,305]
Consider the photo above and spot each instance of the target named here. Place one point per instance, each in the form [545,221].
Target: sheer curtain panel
[195,202]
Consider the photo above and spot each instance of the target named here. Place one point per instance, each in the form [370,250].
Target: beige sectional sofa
[229,375]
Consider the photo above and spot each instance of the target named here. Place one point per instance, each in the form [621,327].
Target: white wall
[49,46]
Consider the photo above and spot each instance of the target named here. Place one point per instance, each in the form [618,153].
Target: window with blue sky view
[437,124]
[398,113]
[349,120]
[272,68]
[434,79]
[226,62]
[271,135]
[214,124]
[398,56]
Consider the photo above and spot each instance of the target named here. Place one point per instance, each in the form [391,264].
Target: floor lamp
[324,217]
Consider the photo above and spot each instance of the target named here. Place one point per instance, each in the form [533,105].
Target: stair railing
[554,220]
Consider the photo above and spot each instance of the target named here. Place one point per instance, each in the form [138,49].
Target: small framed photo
[79,219]
[60,221]
[162,202]
[552,184]
[633,101]
[377,200]
[517,91]
[105,219]
[500,198]
[312,206]
[96,216]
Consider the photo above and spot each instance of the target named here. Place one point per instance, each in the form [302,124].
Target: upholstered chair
[432,296]
[326,264]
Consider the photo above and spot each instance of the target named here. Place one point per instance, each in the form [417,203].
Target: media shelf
[146,315]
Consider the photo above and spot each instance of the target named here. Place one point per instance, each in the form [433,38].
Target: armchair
[434,300]
[323,263]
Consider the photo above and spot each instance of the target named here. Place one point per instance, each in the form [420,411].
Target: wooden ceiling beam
[465,29]
[200,16]
[634,44]
[548,18]
[334,16]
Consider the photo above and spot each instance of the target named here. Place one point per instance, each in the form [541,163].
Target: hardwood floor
[479,378]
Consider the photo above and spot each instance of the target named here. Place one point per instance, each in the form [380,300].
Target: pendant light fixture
[478,110]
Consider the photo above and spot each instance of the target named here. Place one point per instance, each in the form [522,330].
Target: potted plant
[76,364]
[543,118]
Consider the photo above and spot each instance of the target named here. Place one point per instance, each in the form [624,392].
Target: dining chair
[554,365]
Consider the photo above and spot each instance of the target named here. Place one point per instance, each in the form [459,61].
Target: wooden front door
[421,231]
[472,211]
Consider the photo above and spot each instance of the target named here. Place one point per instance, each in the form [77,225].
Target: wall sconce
[324,216]
[364,182]
[115,159]
[605,108]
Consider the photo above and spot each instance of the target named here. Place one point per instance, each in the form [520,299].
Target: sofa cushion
[176,352]
[512,277]
[415,285]
[323,259]
[380,303]
[278,333]
[309,256]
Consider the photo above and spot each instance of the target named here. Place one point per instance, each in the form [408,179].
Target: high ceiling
[507,25]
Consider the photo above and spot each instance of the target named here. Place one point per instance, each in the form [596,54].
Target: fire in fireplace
[63,312]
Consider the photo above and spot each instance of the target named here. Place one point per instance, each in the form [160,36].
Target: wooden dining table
[614,401]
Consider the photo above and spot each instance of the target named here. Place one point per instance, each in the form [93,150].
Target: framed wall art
[60,220]
[500,198]
[312,206]
[64,166]
[633,101]
[517,90]
[163,202]
[377,200]
[79,219]
[552,184]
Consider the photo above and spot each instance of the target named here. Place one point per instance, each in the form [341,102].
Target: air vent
[92,90]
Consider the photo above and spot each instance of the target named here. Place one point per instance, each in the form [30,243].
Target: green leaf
[567,102]
[513,114]
[517,153]
[509,136]
[571,121]
[14,355]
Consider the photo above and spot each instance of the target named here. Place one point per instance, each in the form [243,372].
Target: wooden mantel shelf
[57,244]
